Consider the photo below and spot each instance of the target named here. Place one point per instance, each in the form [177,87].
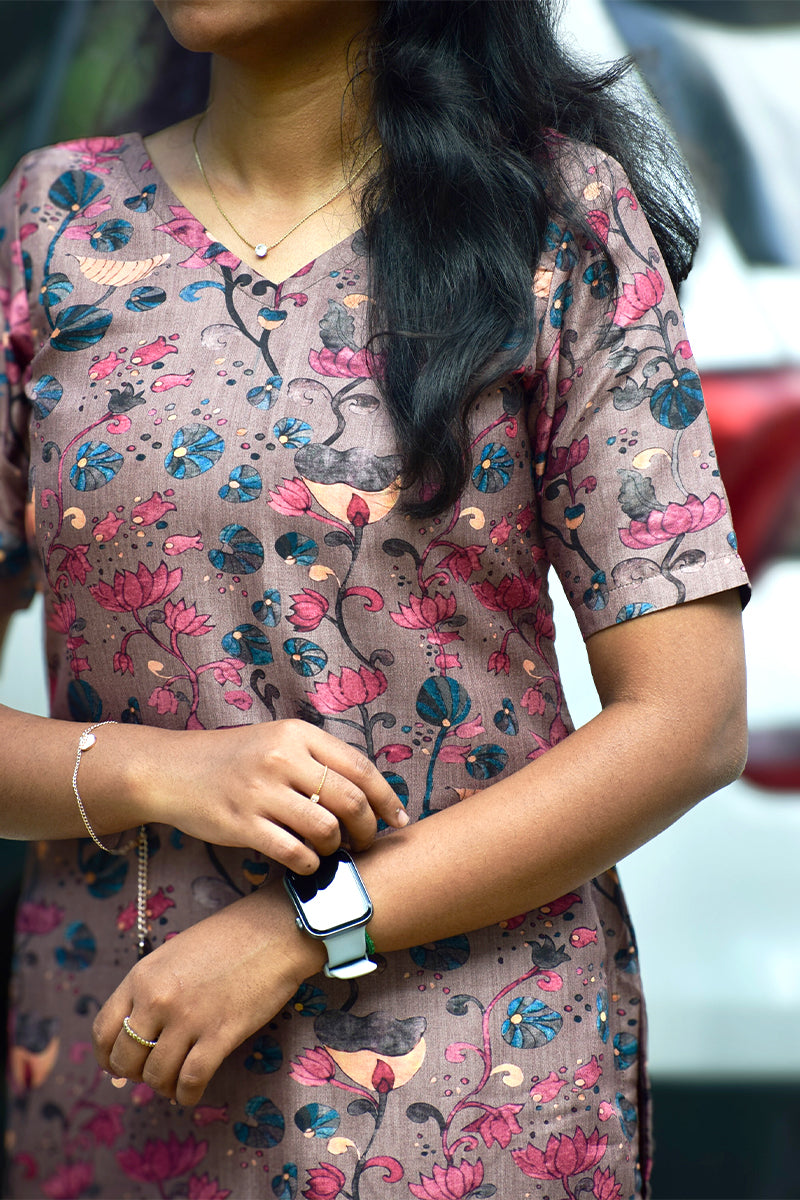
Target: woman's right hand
[251,786]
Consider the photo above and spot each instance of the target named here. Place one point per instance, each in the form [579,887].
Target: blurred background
[714,898]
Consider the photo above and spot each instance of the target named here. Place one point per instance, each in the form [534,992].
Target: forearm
[38,758]
[517,845]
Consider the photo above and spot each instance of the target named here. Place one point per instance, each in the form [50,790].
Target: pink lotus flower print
[131,590]
[162,1160]
[38,918]
[347,690]
[562,1156]
[291,498]
[314,1067]
[308,609]
[105,1125]
[425,612]
[187,230]
[451,1183]
[324,1182]
[605,1186]
[638,297]
[181,619]
[676,519]
[71,1179]
[511,593]
[497,1124]
[203,1187]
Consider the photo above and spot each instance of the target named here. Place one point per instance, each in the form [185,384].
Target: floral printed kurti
[203,462]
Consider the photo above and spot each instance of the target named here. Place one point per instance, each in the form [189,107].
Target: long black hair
[464,97]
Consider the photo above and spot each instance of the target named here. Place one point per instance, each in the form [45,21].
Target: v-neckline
[171,198]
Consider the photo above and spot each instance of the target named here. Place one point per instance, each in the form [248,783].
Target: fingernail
[402,817]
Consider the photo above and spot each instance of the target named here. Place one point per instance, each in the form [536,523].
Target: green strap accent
[370,943]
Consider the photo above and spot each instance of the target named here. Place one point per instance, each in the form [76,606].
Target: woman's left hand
[200,994]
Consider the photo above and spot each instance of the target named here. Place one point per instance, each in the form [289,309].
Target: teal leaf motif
[268,610]
[142,299]
[305,658]
[84,703]
[195,449]
[446,955]
[317,1119]
[95,465]
[530,1023]
[74,190]
[249,643]
[442,701]
[45,394]
[246,554]
[269,1125]
[678,401]
[80,949]
[294,548]
[244,485]
[266,394]
[265,1056]
[55,289]
[111,235]
[284,1186]
[79,326]
[486,761]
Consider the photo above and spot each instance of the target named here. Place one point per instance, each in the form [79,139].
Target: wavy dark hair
[464,95]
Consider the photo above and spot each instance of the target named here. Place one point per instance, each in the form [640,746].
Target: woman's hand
[251,786]
[200,994]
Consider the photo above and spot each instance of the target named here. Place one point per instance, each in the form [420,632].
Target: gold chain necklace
[261,249]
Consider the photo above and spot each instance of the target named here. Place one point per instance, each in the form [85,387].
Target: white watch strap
[347,954]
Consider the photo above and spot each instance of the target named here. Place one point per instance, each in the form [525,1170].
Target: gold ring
[314,797]
[142,1041]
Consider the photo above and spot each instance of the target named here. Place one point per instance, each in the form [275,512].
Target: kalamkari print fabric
[198,468]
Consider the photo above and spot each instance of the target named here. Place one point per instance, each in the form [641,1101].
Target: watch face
[333,898]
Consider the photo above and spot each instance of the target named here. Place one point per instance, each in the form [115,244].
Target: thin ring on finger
[314,797]
[126,1025]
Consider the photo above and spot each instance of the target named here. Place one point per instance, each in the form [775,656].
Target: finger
[130,1051]
[353,766]
[163,1065]
[198,1069]
[107,1024]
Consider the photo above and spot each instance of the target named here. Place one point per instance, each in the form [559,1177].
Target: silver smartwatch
[334,906]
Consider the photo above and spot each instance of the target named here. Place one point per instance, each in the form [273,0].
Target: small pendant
[86,741]
[261,250]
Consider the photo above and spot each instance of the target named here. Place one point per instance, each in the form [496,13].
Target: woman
[295,538]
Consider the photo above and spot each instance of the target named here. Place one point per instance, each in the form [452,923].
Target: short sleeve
[632,507]
[16,570]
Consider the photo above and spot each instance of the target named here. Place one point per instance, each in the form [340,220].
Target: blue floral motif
[195,450]
[96,465]
[268,610]
[269,1126]
[244,485]
[317,1119]
[562,302]
[292,433]
[306,658]
[494,470]
[265,1056]
[530,1023]
[293,548]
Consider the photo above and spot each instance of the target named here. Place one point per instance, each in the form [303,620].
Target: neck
[293,108]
